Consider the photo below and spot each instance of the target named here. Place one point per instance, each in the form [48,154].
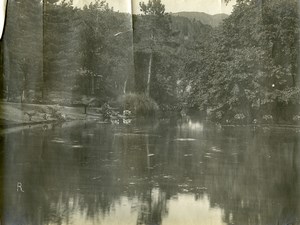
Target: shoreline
[13,115]
[16,114]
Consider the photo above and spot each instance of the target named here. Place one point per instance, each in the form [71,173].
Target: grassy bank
[12,114]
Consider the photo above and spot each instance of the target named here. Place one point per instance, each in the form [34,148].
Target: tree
[23,40]
[98,54]
[153,7]
[60,46]
[250,65]
[150,33]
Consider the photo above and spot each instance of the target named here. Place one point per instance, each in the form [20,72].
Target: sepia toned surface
[151,174]
[185,112]
[211,7]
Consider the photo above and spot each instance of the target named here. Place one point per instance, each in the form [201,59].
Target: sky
[207,6]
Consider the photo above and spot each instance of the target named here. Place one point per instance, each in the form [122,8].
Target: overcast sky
[208,6]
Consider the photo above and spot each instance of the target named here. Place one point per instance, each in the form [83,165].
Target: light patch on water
[135,135]
[77,146]
[208,155]
[185,210]
[121,214]
[191,125]
[215,149]
[58,140]
[182,209]
[195,126]
[185,139]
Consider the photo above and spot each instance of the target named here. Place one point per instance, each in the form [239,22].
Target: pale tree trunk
[93,85]
[23,96]
[125,87]
[24,88]
[149,74]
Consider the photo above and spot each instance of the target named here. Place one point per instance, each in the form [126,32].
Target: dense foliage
[250,68]
[242,71]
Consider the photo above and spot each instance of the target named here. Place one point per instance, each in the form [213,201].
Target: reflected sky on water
[153,173]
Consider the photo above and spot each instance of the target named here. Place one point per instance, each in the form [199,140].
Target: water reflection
[151,175]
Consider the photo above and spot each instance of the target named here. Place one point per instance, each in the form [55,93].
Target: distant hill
[212,20]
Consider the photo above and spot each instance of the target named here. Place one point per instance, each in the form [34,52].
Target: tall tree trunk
[125,86]
[43,56]
[149,75]
[43,83]
[24,88]
[93,84]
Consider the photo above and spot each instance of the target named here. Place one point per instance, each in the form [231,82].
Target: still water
[150,174]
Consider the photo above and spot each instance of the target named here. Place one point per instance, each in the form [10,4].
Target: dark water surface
[187,174]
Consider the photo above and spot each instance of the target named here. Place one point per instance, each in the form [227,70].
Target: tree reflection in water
[132,175]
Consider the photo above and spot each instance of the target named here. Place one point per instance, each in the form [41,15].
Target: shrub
[296,118]
[239,116]
[268,118]
[139,105]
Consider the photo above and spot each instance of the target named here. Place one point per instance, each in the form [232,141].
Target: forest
[246,70]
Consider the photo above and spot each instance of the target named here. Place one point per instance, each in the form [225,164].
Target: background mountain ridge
[212,20]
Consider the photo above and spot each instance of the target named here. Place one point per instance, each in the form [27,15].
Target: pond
[152,174]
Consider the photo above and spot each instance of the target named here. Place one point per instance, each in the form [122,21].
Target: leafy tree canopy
[153,7]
